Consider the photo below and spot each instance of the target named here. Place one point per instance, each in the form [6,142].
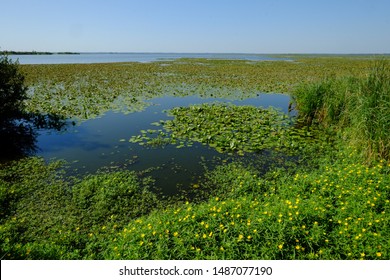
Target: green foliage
[17,126]
[333,207]
[12,92]
[229,128]
[233,180]
[370,121]
[339,211]
[103,196]
[359,108]
[47,215]
[84,91]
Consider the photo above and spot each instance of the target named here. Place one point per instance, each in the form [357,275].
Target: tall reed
[358,107]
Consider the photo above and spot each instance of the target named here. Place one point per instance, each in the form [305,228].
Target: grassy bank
[48,215]
[357,107]
[338,211]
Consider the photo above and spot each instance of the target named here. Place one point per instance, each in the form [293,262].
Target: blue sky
[241,26]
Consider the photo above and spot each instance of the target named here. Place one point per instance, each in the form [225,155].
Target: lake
[132,57]
[102,143]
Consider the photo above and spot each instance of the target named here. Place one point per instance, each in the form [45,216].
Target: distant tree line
[33,53]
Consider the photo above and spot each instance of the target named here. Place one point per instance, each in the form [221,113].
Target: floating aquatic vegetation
[226,128]
[85,91]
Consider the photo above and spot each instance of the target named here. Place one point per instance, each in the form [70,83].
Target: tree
[17,126]
[13,93]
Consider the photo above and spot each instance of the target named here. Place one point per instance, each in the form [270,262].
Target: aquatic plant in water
[84,91]
[227,128]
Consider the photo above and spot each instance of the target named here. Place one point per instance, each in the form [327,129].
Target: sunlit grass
[356,107]
[337,212]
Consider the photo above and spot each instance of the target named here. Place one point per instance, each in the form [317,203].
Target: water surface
[103,142]
[132,57]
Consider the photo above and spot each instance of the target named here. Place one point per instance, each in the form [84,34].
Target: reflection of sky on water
[132,57]
[103,142]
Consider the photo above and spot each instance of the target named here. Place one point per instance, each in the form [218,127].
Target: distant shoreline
[33,53]
[200,53]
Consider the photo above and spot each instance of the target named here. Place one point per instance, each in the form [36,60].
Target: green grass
[47,215]
[358,107]
[338,211]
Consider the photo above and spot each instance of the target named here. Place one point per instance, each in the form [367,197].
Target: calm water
[130,57]
[103,142]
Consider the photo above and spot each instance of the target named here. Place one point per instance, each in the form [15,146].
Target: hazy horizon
[169,52]
[197,26]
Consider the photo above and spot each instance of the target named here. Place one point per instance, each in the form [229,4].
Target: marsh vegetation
[310,186]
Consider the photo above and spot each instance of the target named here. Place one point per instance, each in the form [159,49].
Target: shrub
[17,125]
[13,92]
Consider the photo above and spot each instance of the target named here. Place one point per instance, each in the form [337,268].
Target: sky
[205,26]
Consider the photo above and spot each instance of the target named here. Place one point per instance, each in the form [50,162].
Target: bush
[17,125]
[13,92]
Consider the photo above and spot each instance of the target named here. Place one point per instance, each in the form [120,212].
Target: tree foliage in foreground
[13,92]
[18,125]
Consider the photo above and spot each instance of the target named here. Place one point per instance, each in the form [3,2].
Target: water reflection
[18,138]
[133,57]
[17,141]
[103,142]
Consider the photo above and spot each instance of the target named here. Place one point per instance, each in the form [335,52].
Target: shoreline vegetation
[34,53]
[329,199]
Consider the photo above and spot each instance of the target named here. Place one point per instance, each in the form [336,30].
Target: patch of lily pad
[227,128]
[85,91]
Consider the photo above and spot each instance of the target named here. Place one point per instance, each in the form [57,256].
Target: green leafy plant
[13,92]
[356,107]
